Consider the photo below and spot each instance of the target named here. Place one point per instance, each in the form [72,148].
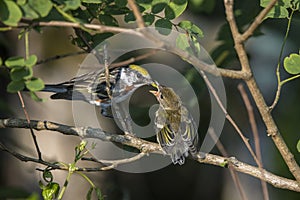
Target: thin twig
[255,136]
[115,163]
[228,117]
[279,82]
[224,153]
[29,159]
[96,27]
[139,19]
[30,128]
[134,59]
[57,57]
[236,74]
[148,147]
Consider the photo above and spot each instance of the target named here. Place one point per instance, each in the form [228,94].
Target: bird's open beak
[155,93]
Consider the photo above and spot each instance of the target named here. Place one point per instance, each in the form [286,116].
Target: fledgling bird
[175,128]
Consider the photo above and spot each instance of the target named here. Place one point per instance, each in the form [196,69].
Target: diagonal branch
[137,13]
[255,135]
[258,20]
[149,147]
[268,120]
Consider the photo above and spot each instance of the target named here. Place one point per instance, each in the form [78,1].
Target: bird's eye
[161,96]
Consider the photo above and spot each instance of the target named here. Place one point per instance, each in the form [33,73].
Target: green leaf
[146,4]
[99,194]
[14,61]
[1,62]
[129,17]
[29,12]
[15,86]
[163,26]
[10,13]
[282,3]
[278,12]
[175,8]
[191,28]
[188,44]
[50,191]
[121,3]
[182,42]
[35,84]
[100,37]
[31,61]
[89,194]
[108,20]
[21,2]
[21,73]
[35,97]
[42,7]
[92,1]
[157,8]
[115,10]
[71,4]
[148,19]
[292,64]
[298,146]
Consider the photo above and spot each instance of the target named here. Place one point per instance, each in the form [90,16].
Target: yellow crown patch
[139,69]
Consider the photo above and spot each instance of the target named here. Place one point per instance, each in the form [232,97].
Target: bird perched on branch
[92,87]
[175,128]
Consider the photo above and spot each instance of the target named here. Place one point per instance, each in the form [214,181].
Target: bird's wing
[189,131]
[165,135]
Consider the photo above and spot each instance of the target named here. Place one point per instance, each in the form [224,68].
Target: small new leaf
[31,61]
[15,86]
[99,194]
[21,73]
[191,28]
[35,97]
[14,61]
[89,194]
[50,191]
[298,146]
[292,64]
[35,84]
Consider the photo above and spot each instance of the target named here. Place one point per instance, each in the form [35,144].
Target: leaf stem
[279,83]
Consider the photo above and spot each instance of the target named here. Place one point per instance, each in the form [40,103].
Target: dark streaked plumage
[91,87]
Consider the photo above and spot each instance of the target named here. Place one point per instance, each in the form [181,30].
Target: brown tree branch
[36,144]
[235,74]
[139,19]
[255,136]
[148,147]
[258,20]
[272,128]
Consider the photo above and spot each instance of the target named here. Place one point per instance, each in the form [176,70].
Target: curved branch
[149,147]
